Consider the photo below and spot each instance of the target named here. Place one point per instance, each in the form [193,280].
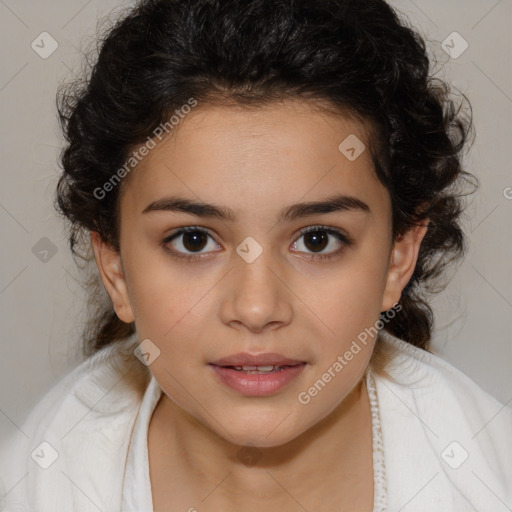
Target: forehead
[258,158]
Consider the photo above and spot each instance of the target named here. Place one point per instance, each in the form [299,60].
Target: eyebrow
[331,204]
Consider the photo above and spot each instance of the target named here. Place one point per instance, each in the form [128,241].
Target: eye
[189,242]
[190,238]
[316,239]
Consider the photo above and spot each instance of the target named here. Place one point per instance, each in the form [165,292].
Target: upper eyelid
[329,229]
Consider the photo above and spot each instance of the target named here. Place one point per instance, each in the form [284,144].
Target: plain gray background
[41,303]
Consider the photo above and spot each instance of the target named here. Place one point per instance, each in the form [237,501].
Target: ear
[402,264]
[110,267]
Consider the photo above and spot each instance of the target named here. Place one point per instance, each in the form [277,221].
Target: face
[245,277]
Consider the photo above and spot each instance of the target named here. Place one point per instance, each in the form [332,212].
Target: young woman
[269,189]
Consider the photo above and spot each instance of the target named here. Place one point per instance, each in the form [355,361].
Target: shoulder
[108,382]
[84,419]
[439,423]
[431,375]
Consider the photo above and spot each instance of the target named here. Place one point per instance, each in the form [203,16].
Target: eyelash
[346,241]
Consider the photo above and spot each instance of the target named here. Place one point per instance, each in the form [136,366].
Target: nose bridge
[258,294]
[256,275]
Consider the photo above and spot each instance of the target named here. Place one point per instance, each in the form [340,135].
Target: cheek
[165,313]
[351,298]
[172,319]
[158,290]
[349,304]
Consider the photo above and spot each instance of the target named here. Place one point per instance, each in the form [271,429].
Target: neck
[338,447]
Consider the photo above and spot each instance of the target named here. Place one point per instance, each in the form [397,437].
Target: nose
[257,296]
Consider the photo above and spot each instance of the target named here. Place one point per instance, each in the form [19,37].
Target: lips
[257,374]
[266,359]
[258,383]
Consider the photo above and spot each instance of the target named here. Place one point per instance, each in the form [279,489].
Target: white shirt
[447,444]
[137,485]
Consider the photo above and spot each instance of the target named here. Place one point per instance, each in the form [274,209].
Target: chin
[259,434]
[259,440]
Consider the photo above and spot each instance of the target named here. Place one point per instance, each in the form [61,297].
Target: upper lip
[246,359]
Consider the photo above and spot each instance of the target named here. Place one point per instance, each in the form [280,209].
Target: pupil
[319,240]
[194,241]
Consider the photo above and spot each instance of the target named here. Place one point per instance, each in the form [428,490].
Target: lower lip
[258,384]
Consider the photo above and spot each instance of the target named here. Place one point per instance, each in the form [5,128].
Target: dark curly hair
[357,56]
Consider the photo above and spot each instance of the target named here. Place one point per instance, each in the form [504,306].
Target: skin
[257,162]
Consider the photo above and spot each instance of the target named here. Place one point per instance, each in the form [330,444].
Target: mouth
[261,370]
[246,359]
[257,380]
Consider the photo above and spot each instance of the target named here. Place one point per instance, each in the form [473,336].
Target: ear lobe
[108,261]
[404,256]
